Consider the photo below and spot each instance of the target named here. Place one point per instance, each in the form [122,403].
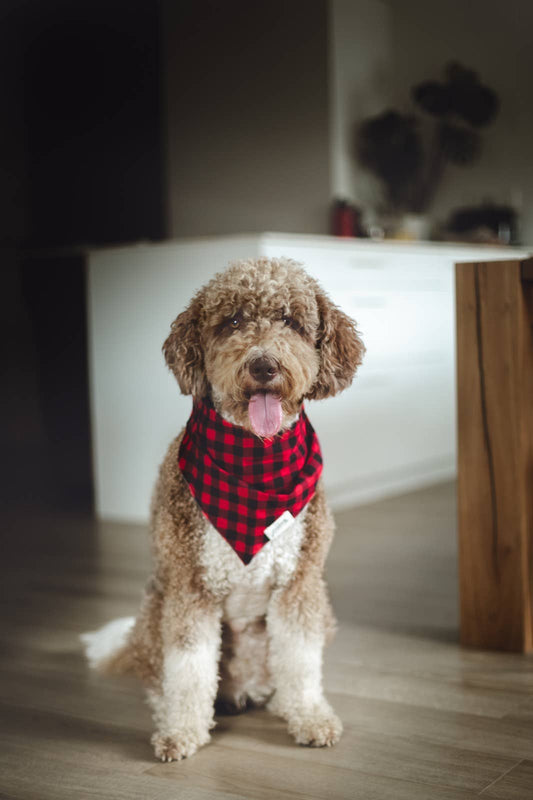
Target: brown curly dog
[254,343]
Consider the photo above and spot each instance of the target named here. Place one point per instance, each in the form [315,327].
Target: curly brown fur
[305,599]
[281,311]
[260,628]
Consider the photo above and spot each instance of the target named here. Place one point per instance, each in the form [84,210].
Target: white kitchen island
[392,430]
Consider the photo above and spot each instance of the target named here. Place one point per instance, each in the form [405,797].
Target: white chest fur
[246,589]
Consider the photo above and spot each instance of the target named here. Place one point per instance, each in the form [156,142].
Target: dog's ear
[184,354]
[340,347]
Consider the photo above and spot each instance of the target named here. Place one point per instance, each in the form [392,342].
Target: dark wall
[93,121]
[81,162]
[247,109]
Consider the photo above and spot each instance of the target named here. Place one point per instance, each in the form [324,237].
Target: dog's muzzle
[263,369]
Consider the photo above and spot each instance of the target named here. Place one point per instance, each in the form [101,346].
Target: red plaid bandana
[243,483]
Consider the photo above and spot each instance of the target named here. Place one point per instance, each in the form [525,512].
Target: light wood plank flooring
[423,718]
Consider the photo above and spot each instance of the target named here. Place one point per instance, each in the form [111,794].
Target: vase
[413,227]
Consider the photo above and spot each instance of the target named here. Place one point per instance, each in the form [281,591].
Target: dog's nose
[263,369]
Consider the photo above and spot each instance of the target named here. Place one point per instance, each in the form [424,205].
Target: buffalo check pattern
[244,483]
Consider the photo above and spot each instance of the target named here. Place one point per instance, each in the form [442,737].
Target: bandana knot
[243,483]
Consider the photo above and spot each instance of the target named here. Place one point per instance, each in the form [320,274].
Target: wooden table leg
[495,453]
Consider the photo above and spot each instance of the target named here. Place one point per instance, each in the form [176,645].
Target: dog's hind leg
[183,703]
[244,677]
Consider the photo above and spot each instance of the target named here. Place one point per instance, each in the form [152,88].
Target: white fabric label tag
[279,525]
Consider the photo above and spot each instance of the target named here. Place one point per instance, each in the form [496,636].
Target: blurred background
[154,120]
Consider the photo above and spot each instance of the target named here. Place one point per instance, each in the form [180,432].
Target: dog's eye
[234,323]
[292,323]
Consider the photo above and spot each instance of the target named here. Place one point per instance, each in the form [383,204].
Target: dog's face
[259,338]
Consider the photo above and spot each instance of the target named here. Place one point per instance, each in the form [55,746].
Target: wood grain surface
[495,454]
[424,719]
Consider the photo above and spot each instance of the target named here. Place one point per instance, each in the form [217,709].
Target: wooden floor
[423,718]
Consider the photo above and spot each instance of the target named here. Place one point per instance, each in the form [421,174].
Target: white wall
[394,429]
[134,293]
[360,80]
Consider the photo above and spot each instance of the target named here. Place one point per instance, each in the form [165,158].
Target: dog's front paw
[318,729]
[177,746]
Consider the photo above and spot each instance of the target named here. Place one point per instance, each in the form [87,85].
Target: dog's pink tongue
[265,413]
